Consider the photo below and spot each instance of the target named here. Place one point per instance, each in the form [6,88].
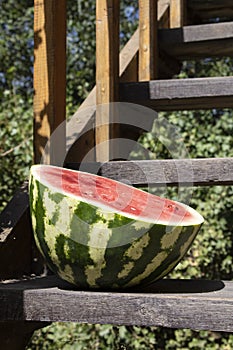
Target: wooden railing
[139,60]
[107,61]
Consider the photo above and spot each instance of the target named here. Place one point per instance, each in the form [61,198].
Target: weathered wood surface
[107,76]
[207,40]
[180,94]
[148,40]
[171,172]
[164,13]
[169,303]
[49,79]
[177,13]
[209,171]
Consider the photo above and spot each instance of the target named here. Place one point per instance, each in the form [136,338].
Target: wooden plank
[180,94]
[177,13]
[171,172]
[107,76]
[49,78]
[164,13]
[208,40]
[148,43]
[196,304]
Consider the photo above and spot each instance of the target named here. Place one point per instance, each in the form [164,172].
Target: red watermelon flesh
[117,197]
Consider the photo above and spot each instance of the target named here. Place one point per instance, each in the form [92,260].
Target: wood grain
[107,76]
[177,13]
[196,304]
[180,94]
[198,41]
[148,40]
[171,172]
[49,79]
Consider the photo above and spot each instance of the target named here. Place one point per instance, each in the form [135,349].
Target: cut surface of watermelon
[95,232]
[116,196]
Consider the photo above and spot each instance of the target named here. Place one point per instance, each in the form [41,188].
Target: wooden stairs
[143,76]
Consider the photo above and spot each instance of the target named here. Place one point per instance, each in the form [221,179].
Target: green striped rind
[94,248]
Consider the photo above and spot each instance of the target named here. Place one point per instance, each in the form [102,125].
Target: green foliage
[16,45]
[16,144]
[204,134]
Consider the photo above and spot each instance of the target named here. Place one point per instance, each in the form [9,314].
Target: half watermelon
[95,232]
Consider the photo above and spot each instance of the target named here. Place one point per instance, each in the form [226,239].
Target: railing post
[148,43]
[49,78]
[177,13]
[107,76]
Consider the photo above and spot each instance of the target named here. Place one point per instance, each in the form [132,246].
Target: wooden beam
[166,172]
[180,94]
[107,75]
[182,172]
[195,304]
[198,41]
[148,43]
[177,13]
[49,79]
[164,13]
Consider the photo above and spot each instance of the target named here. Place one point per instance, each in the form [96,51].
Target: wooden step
[169,172]
[180,94]
[200,11]
[196,304]
[198,41]
[173,172]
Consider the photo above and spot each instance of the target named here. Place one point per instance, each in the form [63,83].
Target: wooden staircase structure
[169,32]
